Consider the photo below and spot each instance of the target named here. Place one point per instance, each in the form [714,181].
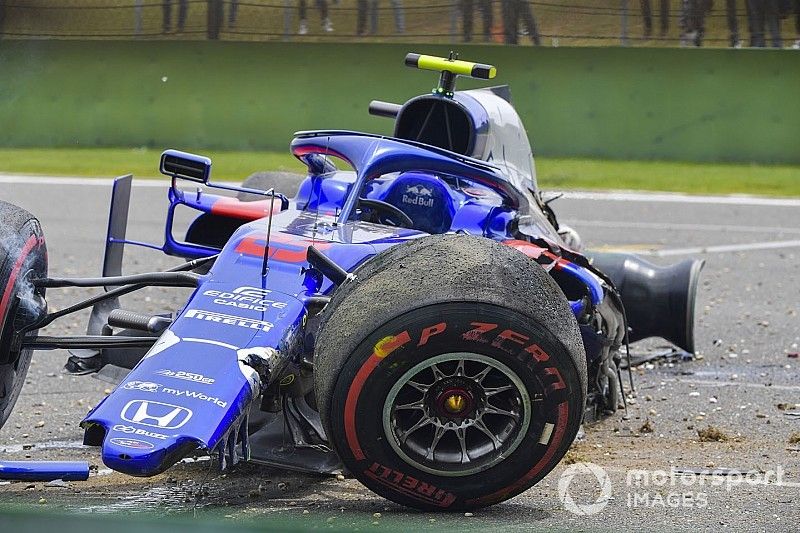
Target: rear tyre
[451,374]
[23,255]
[287,183]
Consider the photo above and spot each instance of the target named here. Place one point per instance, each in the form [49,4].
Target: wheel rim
[456,414]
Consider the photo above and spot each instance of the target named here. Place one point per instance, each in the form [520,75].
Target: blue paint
[191,391]
[44,470]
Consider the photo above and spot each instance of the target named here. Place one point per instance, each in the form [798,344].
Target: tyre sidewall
[533,353]
[23,250]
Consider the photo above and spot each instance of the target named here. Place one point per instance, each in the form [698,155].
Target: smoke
[30,303]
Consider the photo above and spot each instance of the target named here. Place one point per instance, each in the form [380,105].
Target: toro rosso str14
[419,320]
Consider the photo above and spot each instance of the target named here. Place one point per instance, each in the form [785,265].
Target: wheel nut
[455,403]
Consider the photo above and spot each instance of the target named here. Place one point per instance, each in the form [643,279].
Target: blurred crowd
[517,18]
[763,17]
[753,23]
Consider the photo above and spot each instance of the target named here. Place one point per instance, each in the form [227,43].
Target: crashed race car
[413,315]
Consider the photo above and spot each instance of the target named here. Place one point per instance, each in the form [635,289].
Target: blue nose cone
[133,455]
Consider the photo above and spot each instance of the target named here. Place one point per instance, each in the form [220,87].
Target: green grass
[143,163]
[554,173]
[696,178]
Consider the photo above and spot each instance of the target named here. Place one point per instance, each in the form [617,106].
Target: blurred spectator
[531,30]
[215,16]
[693,21]
[647,15]
[513,10]
[233,11]
[399,16]
[765,14]
[733,23]
[796,24]
[369,9]
[327,25]
[467,11]
[183,6]
[137,17]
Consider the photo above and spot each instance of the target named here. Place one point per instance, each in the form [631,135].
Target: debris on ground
[794,438]
[712,434]
[647,427]
[793,355]
[667,355]
[787,406]
[574,456]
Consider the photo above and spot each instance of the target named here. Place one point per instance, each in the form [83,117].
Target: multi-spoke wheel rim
[457,414]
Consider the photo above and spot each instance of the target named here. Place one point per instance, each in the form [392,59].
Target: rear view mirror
[177,164]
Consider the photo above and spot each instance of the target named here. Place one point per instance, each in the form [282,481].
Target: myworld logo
[156,387]
[196,395]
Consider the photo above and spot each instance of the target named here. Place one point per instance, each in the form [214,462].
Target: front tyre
[450,375]
[23,256]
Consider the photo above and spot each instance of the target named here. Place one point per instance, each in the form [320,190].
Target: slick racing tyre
[287,183]
[450,374]
[23,256]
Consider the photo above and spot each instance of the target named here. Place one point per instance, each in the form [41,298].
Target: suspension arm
[87,341]
[153,279]
[119,291]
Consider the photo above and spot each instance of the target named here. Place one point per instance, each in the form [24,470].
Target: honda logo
[156,414]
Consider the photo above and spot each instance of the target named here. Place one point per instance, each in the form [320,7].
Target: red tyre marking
[538,354]
[429,332]
[410,486]
[559,384]
[32,241]
[477,333]
[382,349]
[519,338]
[555,441]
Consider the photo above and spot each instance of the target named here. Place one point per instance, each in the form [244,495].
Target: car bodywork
[229,373]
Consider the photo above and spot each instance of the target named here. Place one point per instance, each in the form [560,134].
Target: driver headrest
[424,198]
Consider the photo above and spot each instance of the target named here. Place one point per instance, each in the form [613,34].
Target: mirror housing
[184,165]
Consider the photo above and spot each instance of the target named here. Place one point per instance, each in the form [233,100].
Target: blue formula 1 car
[419,320]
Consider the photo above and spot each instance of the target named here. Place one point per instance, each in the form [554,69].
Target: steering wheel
[387,213]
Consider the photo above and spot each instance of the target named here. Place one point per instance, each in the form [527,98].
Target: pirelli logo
[211,316]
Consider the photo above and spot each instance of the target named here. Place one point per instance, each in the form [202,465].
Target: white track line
[626,196]
[684,227]
[720,249]
[96,182]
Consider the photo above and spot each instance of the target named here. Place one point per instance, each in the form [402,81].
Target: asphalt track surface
[745,384]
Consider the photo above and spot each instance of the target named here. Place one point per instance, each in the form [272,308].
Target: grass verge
[554,173]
